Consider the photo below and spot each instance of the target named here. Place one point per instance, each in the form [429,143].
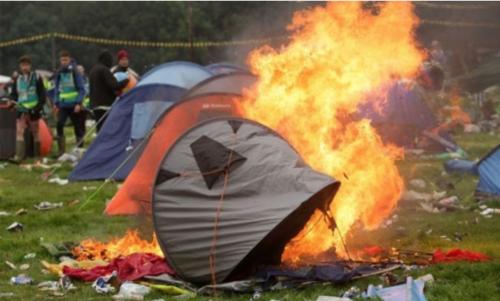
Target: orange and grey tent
[228,196]
[217,96]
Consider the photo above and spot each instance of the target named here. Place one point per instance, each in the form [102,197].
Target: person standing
[28,96]
[69,95]
[124,64]
[103,88]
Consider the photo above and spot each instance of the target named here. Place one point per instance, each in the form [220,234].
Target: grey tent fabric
[232,83]
[269,194]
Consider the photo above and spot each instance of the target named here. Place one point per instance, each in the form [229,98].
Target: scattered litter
[256,295]
[73,203]
[59,181]
[15,226]
[24,267]
[488,212]
[21,280]
[21,211]
[59,249]
[4,213]
[3,165]
[30,256]
[132,291]
[85,188]
[411,196]
[328,298]
[66,157]
[48,205]
[429,208]
[418,183]
[8,294]
[411,290]
[11,265]
[353,292]
[174,290]
[59,287]
[102,286]
[471,128]
[452,200]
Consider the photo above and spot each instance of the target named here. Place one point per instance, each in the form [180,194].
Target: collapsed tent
[225,68]
[230,194]
[217,96]
[118,146]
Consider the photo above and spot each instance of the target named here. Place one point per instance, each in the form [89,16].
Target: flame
[309,90]
[130,243]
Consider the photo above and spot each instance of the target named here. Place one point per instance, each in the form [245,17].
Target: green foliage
[139,21]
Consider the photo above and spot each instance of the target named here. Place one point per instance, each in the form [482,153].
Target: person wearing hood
[103,87]
[69,94]
[124,64]
[28,94]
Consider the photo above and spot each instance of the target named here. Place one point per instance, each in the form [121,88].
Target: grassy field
[466,281]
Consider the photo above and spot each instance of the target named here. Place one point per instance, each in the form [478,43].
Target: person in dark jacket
[103,87]
[28,96]
[69,95]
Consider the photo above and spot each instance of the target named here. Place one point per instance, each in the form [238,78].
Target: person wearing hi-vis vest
[28,96]
[70,92]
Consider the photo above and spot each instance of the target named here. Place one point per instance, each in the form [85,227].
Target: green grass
[464,281]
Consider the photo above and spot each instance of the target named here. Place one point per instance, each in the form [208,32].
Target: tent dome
[241,179]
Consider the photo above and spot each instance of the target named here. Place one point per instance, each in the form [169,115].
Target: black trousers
[76,120]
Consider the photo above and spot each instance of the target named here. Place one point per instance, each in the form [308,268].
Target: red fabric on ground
[455,255]
[373,250]
[131,267]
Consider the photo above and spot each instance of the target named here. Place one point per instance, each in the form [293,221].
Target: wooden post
[190,30]
[53,50]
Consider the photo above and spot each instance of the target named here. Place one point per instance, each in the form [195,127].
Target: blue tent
[489,173]
[225,68]
[403,116]
[132,117]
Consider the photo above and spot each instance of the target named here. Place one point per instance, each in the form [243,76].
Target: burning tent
[231,193]
[216,96]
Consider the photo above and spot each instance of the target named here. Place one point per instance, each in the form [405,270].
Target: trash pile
[135,275]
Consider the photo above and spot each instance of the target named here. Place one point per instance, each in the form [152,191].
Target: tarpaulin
[131,267]
[336,273]
[455,255]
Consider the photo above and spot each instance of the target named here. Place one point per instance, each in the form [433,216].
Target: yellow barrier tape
[86,39]
[456,6]
[197,44]
[460,24]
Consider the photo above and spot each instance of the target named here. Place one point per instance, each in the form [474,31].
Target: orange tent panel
[134,196]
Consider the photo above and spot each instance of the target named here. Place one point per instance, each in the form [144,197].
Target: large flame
[130,243]
[309,90]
